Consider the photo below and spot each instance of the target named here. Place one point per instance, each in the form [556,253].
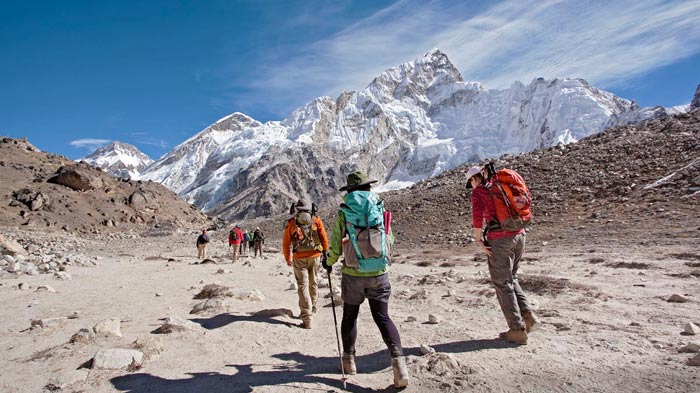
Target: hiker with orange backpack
[502,201]
[304,240]
[361,234]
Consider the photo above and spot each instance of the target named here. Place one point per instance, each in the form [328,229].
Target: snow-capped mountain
[411,122]
[119,159]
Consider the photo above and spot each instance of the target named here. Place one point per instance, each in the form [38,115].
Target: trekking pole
[337,338]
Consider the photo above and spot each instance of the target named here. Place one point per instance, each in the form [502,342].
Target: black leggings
[380,313]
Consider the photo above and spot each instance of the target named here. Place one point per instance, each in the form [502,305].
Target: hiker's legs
[501,271]
[301,274]
[348,327]
[380,314]
[523,303]
[200,251]
[235,253]
[313,282]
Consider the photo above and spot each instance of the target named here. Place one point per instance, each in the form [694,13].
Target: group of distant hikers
[239,241]
[362,236]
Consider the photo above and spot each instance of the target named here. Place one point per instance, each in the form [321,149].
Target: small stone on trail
[158,294]
[411,318]
[45,288]
[425,349]
[108,326]
[22,286]
[63,276]
[83,336]
[691,329]
[66,379]
[433,319]
[209,305]
[116,358]
[175,324]
[694,361]
[693,347]
[676,298]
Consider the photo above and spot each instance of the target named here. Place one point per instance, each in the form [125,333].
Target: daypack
[246,238]
[365,243]
[233,235]
[511,198]
[258,236]
[305,234]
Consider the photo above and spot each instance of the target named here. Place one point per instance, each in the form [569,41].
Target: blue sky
[75,74]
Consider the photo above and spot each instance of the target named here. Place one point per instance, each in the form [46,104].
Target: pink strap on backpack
[387,221]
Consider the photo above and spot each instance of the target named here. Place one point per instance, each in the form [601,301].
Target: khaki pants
[202,250]
[503,268]
[306,274]
[257,248]
[235,252]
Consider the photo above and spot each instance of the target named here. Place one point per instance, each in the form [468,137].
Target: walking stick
[337,338]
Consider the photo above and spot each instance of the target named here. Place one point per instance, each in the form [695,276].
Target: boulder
[694,361]
[693,347]
[209,305]
[76,178]
[11,247]
[676,298]
[107,327]
[175,324]
[34,200]
[66,379]
[691,329]
[83,336]
[117,358]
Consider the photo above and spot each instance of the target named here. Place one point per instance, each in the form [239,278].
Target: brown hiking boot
[531,321]
[349,366]
[515,336]
[306,324]
[400,372]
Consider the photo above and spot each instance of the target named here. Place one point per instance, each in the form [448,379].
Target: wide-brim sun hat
[303,205]
[475,170]
[355,180]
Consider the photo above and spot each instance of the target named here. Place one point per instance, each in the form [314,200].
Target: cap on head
[355,180]
[475,170]
[303,205]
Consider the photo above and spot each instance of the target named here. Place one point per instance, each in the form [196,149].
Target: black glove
[324,262]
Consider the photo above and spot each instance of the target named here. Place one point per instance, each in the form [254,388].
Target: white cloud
[88,143]
[606,43]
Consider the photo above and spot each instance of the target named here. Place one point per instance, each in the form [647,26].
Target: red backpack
[511,198]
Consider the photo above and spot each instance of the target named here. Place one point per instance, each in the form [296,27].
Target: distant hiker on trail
[505,242]
[235,236]
[258,241]
[202,241]
[304,240]
[244,243]
[362,234]
[251,244]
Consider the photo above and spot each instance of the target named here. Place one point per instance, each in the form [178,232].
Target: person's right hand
[289,263]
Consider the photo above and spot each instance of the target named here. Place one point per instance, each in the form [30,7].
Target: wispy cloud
[91,144]
[607,43]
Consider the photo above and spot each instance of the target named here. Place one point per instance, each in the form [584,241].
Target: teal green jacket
[335,249]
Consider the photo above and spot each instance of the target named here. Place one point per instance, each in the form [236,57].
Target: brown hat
[355,180]
[303,205]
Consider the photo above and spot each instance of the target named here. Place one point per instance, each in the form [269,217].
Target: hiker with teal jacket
[362,235]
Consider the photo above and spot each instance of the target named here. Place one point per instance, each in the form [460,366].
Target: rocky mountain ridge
[412,122]
[52,192]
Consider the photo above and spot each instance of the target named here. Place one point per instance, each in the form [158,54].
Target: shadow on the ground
[222,320]
[297,369]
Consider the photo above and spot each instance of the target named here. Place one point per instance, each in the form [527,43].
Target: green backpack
[366,247]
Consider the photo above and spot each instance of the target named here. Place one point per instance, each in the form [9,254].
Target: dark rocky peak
[695,104]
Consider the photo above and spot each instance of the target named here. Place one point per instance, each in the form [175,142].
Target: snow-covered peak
[119,159]
[695,103]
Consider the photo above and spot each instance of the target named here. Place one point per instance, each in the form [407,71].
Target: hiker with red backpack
[500,211]
[304,240]
[235,236]
[361,234]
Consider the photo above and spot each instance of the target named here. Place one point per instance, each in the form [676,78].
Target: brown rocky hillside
[51,192]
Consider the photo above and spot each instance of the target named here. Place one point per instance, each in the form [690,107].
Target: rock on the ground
[433,319]
[175,324]
[11,247]
[149,346]
[108,326]
[694,361]
[693,347]
[47,322]
[116,358]
[676,298]
[425,349]
[45,288]
[691,329]
[66,379]
[252,295]
[63,276]
[82,336]
[209,305]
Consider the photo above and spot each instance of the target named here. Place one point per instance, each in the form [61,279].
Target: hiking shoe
[306,324]
[515,336]
[313,310]
[349,366]
[531,321]
[400,372]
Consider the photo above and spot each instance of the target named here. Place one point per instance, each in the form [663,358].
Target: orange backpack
[511,198]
